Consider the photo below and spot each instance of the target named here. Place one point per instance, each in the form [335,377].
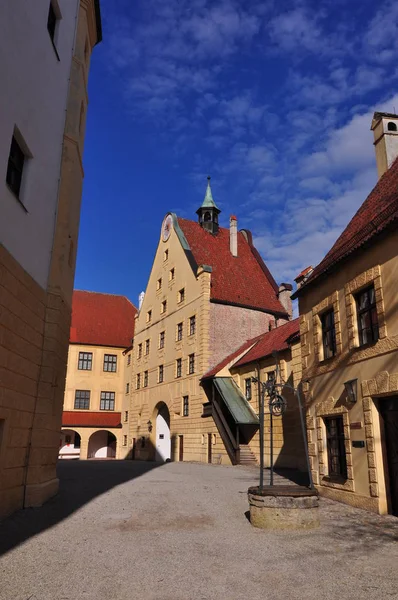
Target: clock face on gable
[167,227]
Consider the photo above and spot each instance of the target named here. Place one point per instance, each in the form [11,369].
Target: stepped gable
[102,319]
[379,211]
[242,280]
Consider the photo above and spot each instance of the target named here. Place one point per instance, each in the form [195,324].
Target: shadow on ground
[80,482]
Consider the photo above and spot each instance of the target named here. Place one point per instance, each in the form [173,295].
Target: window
[391,126]
[138,381]
[368,325]
[145,378]
[166,255]
[191,364]
[110,361]
[179,331]
[15,166]
[335,447]
[271,376]
[82,399]
[127,388]
[126,416]
[161,372]
[125,440]
[139,350]
[328,334]
[85,361]
[147,346]
[181,295]
[51,22]
[107,401]
[192,325]
[161,339]
[171,274]
[178,367]
[248,388]
[163,307]
[129,358]
[149,316]
[159,284]
[185,406]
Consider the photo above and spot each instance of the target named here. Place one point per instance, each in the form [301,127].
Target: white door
[163,445]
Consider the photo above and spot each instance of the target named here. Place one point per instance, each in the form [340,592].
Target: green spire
[208,202]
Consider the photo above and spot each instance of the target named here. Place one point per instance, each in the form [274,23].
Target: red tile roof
[379,211]
[261,346]
[243,280]
[72,418]
[102,319]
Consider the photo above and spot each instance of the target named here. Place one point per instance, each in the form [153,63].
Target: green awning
[237,404]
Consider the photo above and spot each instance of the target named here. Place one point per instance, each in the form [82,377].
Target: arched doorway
[102,444]
[69,446]
[163,441]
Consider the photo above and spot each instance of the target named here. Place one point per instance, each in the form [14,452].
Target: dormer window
[391,126]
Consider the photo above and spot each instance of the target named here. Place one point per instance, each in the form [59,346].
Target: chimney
[233,235]
[385,132]
[285,297]
[303,276]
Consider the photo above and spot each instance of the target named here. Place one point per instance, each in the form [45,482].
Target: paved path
[124,530]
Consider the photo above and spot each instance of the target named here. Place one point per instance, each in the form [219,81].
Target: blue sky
[272,99]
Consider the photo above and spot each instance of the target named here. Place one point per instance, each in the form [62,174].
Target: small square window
[85,361]
[161,339]
[191,363]
[248,388]
[107,401]
[179,367]
[172,274]
[147,347]
[159,284]
[192,325]
[149,316]
[185,406]
[161,373]
[179,331]
[82,399]
[16,160]
[139,351]
[163,307]
[181,295]
[166,255]
[145,378]
[110,362]
[271,376]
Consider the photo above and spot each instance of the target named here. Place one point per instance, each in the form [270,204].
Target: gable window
[181,295]
[147,346]
[127,388]
[165,255]
[191,363]
[163,307]
[82,399]
[145,378]
[110,361]
[138,381]
[85,361]
[15,166]
[161,340]
[139,350]
[107,401]
[185,406]
[179,331]
[328,334]
[178,367]
[335,447]
[159,284]
[368,325]
[391,126]
[149,316]
[192,325]
[248,388]
[160,374]
[129,358]
[171,274]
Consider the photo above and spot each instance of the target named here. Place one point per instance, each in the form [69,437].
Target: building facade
[349,341]
[208,292]
[46,48]
[96,388]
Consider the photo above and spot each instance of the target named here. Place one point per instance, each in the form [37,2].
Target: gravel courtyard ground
[125,530]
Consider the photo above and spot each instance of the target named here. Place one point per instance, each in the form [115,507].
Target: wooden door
[209,439]
[181,448]
[389,410]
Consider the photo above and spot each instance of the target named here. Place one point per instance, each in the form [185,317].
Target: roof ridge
[105,294]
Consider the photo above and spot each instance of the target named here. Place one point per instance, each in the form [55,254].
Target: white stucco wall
[34,88]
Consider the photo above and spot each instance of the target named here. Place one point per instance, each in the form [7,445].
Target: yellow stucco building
[349,343]
[96,392]
[40,195]
[208,293]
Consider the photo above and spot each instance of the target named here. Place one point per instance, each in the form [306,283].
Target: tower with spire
[208,212]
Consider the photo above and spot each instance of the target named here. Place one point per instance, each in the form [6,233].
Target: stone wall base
[350,498]
[37,494]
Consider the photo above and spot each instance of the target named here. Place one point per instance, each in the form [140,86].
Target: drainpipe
[261,418]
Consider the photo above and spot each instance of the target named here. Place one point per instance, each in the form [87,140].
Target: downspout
[261,419]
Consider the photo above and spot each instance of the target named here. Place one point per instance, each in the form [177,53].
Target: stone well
[283,507]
